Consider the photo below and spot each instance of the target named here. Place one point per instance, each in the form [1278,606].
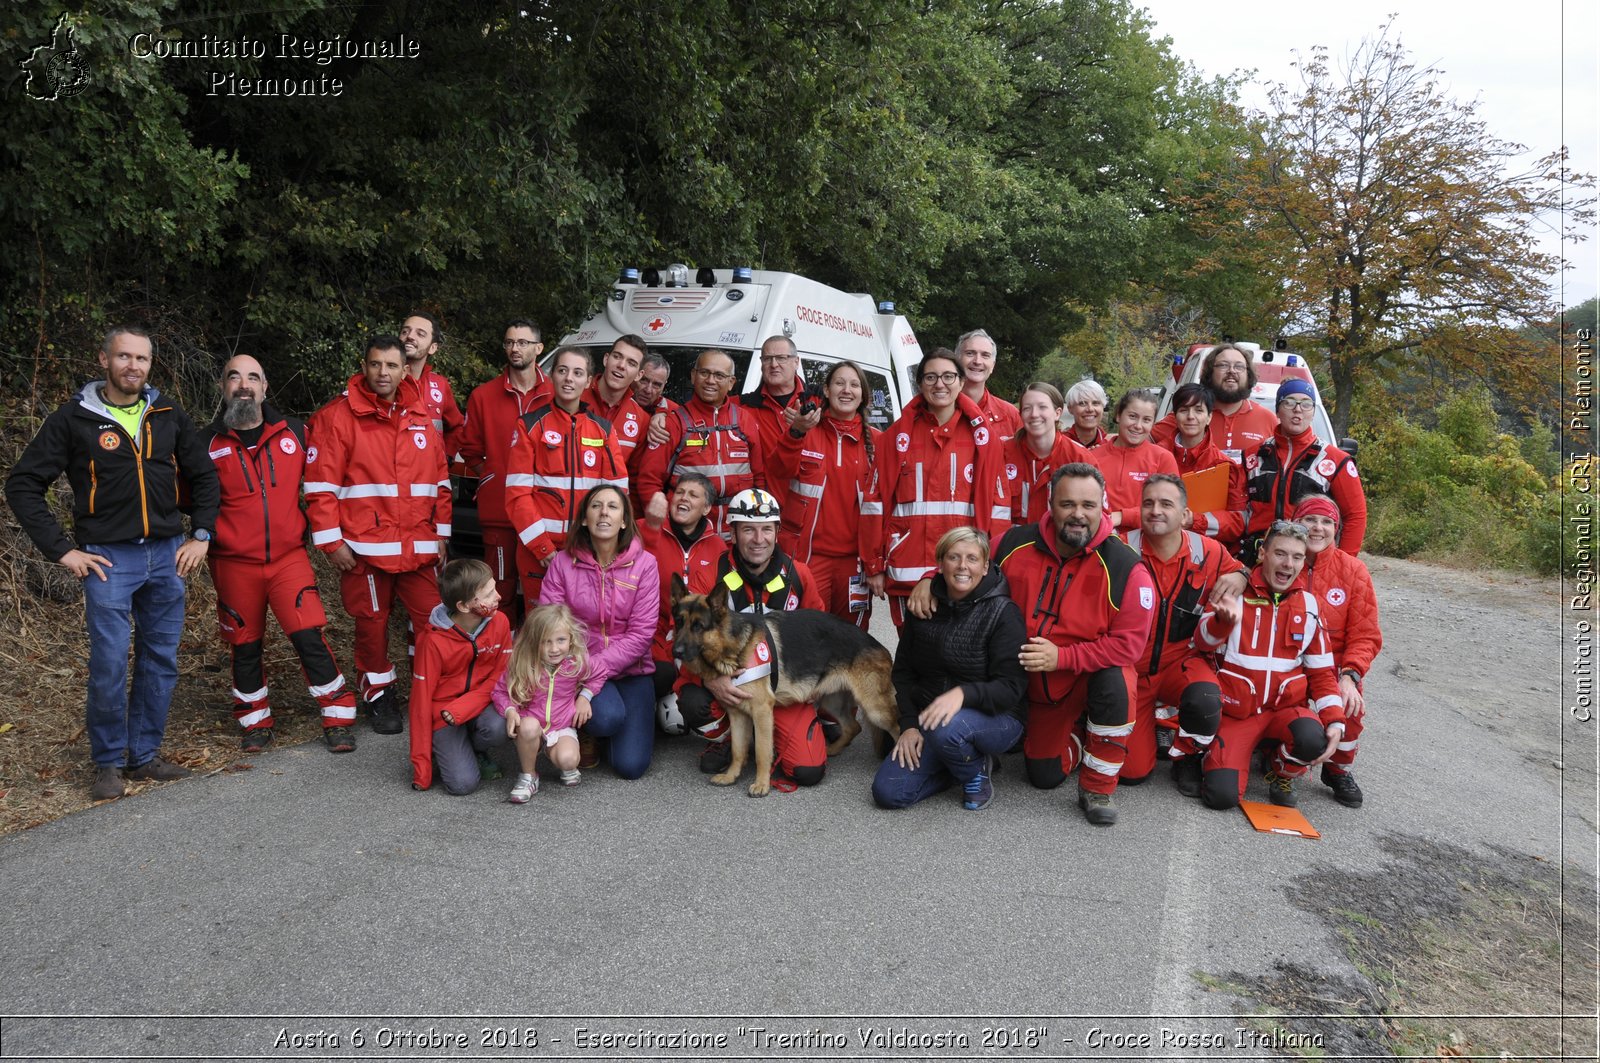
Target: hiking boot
[526,786]
[1186,775]
[1097,808]
[715,758]
[157,770]
[588,750]
[339,739]
[385,716]
[1280,790]
[1343,785]
[487,768]
[571,777]
[255,740]
[108,784]
[978,791]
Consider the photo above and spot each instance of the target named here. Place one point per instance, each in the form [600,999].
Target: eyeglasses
[1229,367]
[712,374]
[1298,405]
[1289,527]
[776,359]
[521,345]
[940,378]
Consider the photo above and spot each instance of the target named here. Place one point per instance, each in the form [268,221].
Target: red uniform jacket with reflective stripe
[556,458]
[261,518]
[1125,470]
[627,419]
[831,506]
[1096,605]
[376,479]
[701,555]
[1237,435]
[1282,471]
[1349,608]
[1028,475]
[1003,418]
[493,410]
[1225,524]
[767,414]
[441,404]
[723,444]
[1276,656]
[934,478]
[453,672]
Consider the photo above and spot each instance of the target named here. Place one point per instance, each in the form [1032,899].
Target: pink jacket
[618,605]
[553,710]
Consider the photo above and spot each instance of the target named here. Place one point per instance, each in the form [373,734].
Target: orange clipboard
[1275,819]
[1208,490]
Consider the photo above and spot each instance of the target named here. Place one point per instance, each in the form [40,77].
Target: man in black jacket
[122,448]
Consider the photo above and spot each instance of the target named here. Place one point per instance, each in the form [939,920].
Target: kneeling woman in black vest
[959,682]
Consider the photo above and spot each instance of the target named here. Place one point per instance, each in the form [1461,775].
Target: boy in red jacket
[460,655]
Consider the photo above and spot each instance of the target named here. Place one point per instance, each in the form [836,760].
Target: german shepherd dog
[813,657]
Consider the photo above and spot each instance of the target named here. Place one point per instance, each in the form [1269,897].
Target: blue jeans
[953,753]
[625,712]
[142,594]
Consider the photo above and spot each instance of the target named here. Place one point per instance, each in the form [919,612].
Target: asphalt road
[316,901]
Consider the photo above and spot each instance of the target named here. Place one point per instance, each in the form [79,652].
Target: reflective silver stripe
[370,491]
[339,712]
[1327,702]
[424,490]
[1345,747]
[250,719]
[374,550]
[518,479]
[317,487]
[372,591]
[326,688]
[805,490]
[542,527]
[936,509]
[1166,712]
[1259,664]
[756,672]
[427,546]
[1199,740]
[1212,527]
[872,509]
[259,695]
[562,483]
[438,424]
[737,468]
[1001,513]
[323,538]
[1112,730]
[377,678]
[907,575]
[1094,763]
[442,530]
[1319,660]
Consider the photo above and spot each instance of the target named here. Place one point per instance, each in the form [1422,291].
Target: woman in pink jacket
[610,582]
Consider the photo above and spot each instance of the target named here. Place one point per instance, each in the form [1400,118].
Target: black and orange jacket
[123,488]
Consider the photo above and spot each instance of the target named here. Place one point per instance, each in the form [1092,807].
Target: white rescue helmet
[668,716]
[752,506]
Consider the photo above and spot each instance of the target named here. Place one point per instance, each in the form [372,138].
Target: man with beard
[1276,674]
[1239,424]
[259,558]
[122,448]
[493,410]
[1087,600]
[976,353]
[419,337]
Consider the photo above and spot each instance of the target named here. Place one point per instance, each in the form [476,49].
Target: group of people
[1052,588]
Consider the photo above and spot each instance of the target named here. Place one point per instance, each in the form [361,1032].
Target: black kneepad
[1220,788]
[694,705]
[1045,772]
[1309,739]
[1201,705]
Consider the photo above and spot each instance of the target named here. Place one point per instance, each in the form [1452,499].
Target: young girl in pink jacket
[538,694]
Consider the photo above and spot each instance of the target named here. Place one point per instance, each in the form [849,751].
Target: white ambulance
[735,310]
[1272,368]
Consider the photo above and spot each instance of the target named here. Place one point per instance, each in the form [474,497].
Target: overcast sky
[1508,56]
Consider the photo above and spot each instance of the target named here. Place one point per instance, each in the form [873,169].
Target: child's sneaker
[525,787]
[571,777]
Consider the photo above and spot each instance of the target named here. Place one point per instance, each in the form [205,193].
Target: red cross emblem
[659,323]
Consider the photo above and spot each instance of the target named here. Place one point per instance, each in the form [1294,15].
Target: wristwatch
[200,535]
[1355,676]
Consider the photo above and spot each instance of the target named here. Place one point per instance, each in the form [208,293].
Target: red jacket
[767,412]
[1096,606]
[627,419]
[1100,438]
[556,458]
[376,479]
[1003,418]
[1276,656]
[441,404]
[1236,435]
[723,444]
[1028,476]
[1282,471]
[1125,470]
[1182,583]
[1226,524]
[704,549]
[261,518]
[453,672]
[831,505]
[934,478]
[493,410]
[1349,608]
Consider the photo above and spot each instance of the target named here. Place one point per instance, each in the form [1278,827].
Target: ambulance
[736,310]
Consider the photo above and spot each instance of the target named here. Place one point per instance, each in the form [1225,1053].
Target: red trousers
[1089,726]
[1350,744]
[1157,706]
[500,554]
[368,595]
[832,581]
[1237,739]
[245,590]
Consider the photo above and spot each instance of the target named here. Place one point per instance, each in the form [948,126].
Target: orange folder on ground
[1208,490]
[1275,819]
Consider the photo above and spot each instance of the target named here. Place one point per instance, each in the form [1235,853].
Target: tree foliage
[1396,221]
